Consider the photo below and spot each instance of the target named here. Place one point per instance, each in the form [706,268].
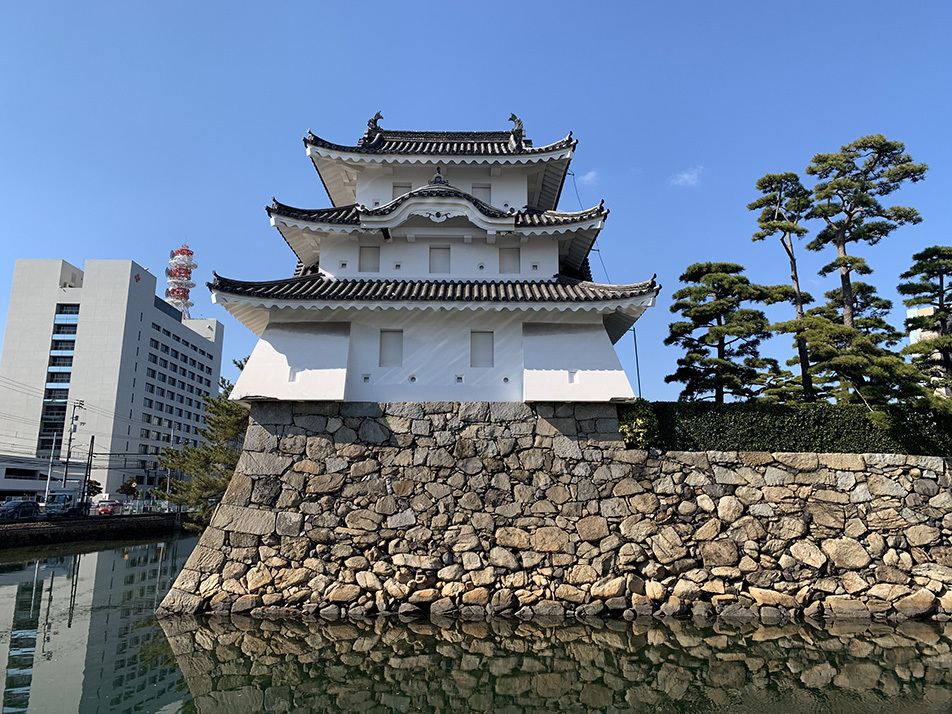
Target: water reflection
[76,635]
[238,664]
[76,629]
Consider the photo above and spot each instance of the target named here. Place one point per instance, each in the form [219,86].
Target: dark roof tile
[317,288]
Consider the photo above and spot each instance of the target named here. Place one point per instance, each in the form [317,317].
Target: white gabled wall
[297,361]
[509,187]
[572,363]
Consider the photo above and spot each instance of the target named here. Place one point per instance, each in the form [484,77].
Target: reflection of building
[78,636]
[95,348]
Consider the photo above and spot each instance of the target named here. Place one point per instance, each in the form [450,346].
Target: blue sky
[129,128]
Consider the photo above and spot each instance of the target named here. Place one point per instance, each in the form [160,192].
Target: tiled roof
[436,190]
[442,143]
[350,214]
[338,214]
[317,288]
[533,217]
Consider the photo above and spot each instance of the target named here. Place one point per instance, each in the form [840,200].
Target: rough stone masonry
[480,509]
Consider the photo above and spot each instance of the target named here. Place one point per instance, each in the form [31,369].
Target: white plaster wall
[436,349]
[509,188]
[567,358]
[465,258]
[572,363]
[300,361]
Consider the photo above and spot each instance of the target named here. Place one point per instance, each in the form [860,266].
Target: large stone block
[278,413]
[233,519]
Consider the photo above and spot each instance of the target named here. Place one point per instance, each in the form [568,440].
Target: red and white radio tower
[179,274]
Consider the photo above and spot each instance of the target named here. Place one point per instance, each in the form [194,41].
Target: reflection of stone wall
[479,509]
[240,664]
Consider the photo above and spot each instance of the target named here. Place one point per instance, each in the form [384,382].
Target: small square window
[343,265]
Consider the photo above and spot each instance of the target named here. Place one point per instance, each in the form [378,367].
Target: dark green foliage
[854,364]
[211,465]
[93,488]
[784,203]
[846,199]
[820,427]
[129,488]
[929,285]
[640,428]
[720,336]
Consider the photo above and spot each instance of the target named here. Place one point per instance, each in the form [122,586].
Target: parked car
[109,508]
[19,511]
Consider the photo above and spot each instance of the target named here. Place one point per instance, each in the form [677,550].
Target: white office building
[96,349]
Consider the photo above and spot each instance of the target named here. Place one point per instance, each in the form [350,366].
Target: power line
[595,249]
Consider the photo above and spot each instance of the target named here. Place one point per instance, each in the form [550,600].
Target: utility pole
[89,469]
[49,472]
[78,404]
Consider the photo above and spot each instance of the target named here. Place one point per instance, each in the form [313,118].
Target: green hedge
[758,426]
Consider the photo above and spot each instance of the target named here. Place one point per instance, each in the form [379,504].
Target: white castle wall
[477,260]
[556,360]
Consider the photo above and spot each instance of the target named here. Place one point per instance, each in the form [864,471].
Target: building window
[483,191]
[509,260]
[369,259]
[480,349]
[67,309]
[439,259]
[400,188]
[391,348]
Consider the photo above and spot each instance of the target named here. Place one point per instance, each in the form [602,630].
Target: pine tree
[720,336]
[846,198]
[209,466]
[855,364]
[929,285]
[784,204]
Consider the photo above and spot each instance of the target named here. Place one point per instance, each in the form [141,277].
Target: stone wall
[538,511]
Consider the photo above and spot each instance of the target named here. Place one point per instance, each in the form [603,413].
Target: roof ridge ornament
[517,136]
[373,134]
[438,178]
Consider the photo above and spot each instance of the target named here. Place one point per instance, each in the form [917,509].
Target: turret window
[439,259]
[508,260]
[369,259]
[391,348]
[480,349]
[483,191]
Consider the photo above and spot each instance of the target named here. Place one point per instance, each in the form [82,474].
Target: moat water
[77,635]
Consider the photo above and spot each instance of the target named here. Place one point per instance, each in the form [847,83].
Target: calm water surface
[77,635]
